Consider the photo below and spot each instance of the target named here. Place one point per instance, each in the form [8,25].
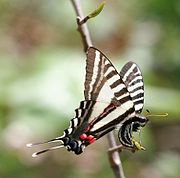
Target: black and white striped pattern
[80,115]
[111,99]
[132,77]
[104,85]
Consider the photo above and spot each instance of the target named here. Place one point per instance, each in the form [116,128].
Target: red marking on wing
[83,136]
[88,139]
[107,109]
[101,115]
[91,139]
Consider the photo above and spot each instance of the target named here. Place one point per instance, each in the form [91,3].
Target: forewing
[132,77]
[95,85]
[103,83]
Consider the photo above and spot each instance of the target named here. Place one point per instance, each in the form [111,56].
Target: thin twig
[118,148]
[113,153]
[83,30]
[114,158]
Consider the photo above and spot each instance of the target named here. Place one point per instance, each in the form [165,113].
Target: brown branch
[82,28]
[119,148]
[113,154]
[114,158]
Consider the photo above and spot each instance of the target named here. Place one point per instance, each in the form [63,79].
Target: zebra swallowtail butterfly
[111,99]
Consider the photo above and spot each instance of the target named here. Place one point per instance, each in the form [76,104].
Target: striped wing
[107,101]
[103,83]
[111,99]
[132,77]
[104,86]
[96,87]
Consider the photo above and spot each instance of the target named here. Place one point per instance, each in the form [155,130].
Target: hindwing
[132,78]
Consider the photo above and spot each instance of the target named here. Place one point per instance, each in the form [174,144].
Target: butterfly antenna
[155,115]
[46,150]
[49,141]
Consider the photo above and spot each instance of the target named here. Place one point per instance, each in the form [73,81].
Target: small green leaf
[97,11]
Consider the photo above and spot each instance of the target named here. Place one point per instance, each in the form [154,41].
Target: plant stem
[83,30]
[113,154]
[114,157]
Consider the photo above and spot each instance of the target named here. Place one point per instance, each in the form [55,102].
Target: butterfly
[112,100]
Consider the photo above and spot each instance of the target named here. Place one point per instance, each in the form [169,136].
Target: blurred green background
[42,69]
